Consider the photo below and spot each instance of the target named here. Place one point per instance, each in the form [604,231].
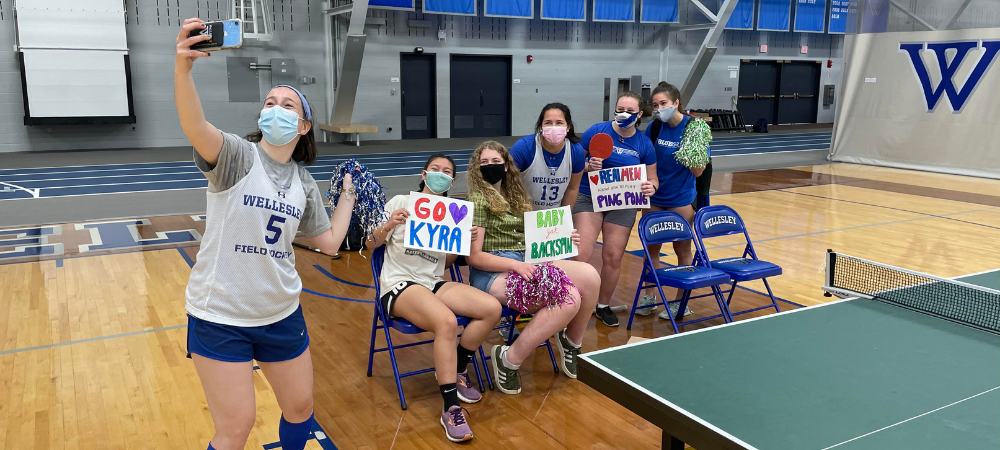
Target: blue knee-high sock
[210,446]
[293,436]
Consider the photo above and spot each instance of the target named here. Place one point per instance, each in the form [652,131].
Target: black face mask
[493,173]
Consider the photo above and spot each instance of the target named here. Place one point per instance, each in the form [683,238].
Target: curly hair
[511,192]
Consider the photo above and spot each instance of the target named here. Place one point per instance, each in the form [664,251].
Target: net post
[831,258]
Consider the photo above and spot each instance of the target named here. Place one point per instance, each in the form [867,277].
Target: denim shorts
[482,280]
[280,341]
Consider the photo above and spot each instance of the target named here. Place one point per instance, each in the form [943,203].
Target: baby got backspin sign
[618,188]
[548,235]
[438,224]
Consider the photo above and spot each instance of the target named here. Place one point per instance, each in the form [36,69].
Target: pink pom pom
[548,287]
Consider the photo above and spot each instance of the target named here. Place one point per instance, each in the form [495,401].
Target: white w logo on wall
[957,96]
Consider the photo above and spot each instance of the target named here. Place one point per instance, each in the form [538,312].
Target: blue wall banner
[614,11]
[460,7]
[742,18]
[524,9]
[838,16]
[774,15]
[810,16]
[392,4]
[564,9]
[658,11]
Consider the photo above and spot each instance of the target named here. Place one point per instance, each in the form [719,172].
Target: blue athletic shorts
[279,341]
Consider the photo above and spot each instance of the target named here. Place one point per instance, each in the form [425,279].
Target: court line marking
[898,209]
[98,338]
[912,418]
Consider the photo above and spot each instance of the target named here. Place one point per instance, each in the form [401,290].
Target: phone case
[213,29]
[233,34]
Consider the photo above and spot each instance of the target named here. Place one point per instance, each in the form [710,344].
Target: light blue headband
[302,98]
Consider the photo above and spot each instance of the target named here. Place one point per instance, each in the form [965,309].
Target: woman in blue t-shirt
[630,148]
[677,191]
[548,175]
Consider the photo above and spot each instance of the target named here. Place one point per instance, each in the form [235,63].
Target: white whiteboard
[76,83]
[71,24]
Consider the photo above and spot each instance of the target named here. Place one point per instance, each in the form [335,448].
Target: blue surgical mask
[278,125]
[625,120]
[437,182]
[665,114]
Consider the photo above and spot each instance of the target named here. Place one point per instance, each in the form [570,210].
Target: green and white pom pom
[694,144]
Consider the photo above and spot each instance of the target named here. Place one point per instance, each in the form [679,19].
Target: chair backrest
[718,220]
[663,226]
[378,257]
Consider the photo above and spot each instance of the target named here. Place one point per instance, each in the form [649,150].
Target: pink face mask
[554,135]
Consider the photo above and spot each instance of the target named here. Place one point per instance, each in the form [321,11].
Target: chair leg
[729,299]
[673,323]
[371,348]
[486,368]
[552,356]
[395,368]
[774,301]
[685,298]
[723,306]
[635,301]
[479,376]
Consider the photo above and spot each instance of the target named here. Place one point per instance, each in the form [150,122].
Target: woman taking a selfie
[243,294]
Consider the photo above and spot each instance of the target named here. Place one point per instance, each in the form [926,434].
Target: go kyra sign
[438,224]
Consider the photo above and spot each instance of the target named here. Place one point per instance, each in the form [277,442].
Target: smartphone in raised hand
[225,35]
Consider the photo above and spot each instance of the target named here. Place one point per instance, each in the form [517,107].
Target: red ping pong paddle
[601,145]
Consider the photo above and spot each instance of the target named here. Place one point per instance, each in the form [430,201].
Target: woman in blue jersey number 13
[552,160]
[243,293]
[677,190]
[630,148]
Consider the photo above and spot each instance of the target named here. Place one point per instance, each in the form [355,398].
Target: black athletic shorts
[391,294]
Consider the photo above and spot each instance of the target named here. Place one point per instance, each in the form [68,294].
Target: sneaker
[456,428]
[507,330]
[508,380]
[644,309]
[607,316]
[568,352]
[673,311]
[467,393]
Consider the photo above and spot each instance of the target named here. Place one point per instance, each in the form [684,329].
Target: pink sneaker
[455,426]
[467,393]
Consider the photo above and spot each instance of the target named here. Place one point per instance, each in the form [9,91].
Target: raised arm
[340,221]
[207,139]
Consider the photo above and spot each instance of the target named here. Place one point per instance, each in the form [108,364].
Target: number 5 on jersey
[271,227]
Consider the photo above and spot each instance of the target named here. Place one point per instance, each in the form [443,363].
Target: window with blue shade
[614,10]
[391,4]
[564,9]
[461,7]
[659,11]
[774,15]
[742,18]
[810,15]
[510,8]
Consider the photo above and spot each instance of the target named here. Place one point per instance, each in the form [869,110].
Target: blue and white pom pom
[369,206]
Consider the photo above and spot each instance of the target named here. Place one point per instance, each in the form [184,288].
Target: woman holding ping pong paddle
[617,143]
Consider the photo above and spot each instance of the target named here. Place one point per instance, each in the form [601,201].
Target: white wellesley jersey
[245,275]
[544,186]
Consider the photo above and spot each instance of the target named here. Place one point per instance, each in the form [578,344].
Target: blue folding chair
[720,220]
[456,275]
[661,227]
[381,320]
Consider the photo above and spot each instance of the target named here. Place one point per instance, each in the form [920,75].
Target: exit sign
[763,48]
[804,49]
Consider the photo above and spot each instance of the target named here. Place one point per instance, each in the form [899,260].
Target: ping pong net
[964,303]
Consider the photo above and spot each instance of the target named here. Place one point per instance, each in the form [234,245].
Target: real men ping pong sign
[548,234]
[618,188]
[438,224]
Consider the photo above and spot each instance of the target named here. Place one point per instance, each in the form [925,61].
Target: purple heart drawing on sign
[457,214]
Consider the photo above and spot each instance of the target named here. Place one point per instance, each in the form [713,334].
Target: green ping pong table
[852,374]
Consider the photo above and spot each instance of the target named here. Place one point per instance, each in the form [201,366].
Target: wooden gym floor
[92,344]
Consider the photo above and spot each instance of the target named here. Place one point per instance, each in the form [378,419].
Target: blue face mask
[279,125]
[437,182]
[625,120]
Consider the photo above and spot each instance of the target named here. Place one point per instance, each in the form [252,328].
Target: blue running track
[162,176]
